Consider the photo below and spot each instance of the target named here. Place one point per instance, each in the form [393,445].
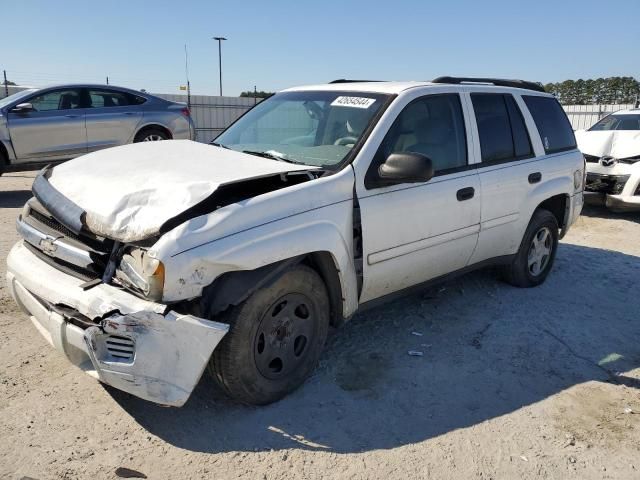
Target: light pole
[220,39]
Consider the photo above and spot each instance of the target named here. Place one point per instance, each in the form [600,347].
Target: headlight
[140,272]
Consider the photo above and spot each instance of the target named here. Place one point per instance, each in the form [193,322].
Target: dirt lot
[538,383]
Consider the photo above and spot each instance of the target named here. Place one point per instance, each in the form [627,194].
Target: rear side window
[502,131]
[108,98]
[554,127]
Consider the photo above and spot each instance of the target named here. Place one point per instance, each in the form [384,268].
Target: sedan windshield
[618,122]
[16,96]
[309,127]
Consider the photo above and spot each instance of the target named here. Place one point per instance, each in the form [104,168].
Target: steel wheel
[539,251]
[284,335]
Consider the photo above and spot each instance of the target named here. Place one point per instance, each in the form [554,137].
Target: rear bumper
[131,344]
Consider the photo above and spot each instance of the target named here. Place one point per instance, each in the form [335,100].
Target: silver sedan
[48,125]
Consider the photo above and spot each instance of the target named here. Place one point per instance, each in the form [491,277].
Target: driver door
[415,232]
[53,130]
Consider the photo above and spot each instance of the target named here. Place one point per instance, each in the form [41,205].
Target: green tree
[259,94]
[612,90]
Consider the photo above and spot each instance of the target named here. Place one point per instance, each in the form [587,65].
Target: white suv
[146,263]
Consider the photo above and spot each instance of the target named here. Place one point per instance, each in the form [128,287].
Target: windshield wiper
[216,144]
[271,156]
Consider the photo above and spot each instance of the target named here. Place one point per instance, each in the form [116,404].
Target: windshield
[16,96]
[312,128]
[618,122]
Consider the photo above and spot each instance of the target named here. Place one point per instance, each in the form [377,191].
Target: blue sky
[276,44]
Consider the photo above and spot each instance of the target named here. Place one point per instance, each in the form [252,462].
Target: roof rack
[502,82]
[345,80]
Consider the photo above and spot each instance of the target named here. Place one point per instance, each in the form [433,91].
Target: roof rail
[345,80]
[502,82]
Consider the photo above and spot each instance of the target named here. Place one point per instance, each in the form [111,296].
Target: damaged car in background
[611,149]
[147,264]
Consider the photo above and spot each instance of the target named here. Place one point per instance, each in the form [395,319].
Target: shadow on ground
[14,198]
[489,349]
[594,207]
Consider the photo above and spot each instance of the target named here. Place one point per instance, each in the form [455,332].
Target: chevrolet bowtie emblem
[48,246]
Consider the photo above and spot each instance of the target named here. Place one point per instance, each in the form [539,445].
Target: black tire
[3,162]
[146,134]
[521,272]
[275,340]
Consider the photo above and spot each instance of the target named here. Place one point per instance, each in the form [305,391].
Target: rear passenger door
[508,171]
[112,118]
[415,232]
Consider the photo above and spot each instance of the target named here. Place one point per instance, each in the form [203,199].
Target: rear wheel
[150,135]
[537,252]
[275,340]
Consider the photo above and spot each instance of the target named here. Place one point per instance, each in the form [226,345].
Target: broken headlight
[141,273]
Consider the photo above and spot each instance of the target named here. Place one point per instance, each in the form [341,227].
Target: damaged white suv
[146,263]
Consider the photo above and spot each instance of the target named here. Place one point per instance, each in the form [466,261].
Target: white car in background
[611,149]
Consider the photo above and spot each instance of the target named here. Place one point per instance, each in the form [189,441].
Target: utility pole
[220,39]
[255,95]
[186,73]
[107,80]
[6,84]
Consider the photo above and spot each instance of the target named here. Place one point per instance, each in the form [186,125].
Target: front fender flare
[189,272]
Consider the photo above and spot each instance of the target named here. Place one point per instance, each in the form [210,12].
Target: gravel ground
[536,383]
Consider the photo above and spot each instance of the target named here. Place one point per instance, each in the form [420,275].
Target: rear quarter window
[552,123]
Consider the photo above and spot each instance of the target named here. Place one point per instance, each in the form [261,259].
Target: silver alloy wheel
[154,137]
[540,251]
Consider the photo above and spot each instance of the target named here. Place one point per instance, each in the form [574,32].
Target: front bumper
[132,344]
[620,185]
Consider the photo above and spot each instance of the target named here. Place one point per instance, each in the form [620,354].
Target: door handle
[535,177]
[72,116]
[465,194]
[129,113]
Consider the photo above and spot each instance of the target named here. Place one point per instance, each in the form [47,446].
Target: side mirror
[22,108]
[406,167]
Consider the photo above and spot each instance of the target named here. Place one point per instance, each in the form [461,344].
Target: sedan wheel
[154,137]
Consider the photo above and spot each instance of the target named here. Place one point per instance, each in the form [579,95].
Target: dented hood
[127,193]
[614,143]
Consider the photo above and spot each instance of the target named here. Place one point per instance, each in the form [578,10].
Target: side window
[502,131]
[521,142]
[56,100]
[108,98]
[135,99]
[432,126]
[554,127]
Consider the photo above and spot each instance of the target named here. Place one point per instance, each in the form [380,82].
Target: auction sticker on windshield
[356,102]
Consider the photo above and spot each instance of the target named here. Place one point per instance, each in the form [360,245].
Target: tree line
[601,91]
[252,94]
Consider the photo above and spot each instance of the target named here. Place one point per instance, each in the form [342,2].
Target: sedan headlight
[142,273]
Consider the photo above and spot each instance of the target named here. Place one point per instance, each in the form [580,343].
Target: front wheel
[275,340]
[537,252]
